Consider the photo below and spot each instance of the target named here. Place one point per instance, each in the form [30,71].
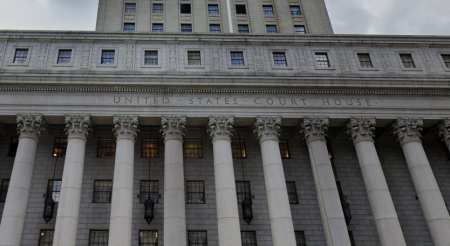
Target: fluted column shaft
[267,130]
[29,127]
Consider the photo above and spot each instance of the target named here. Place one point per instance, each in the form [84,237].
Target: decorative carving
[30,126]
[125,127]
[220,128]
[407,130]
[173,127]
[42,57]
[173,57]
[384,51]
[215,58]
[444,132]
[343,57]
[314,128]
[361,129]
[429,60]
[302,59]
[258,58]
[267,128]
[2,49]
[78,126]
[86,55]
[129,57]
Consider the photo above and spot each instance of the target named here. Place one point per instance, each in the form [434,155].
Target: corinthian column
[173,129]
[29,129]
[361,132]
[444,132]
[77,129]
[220,130]
[268,129]
[314,130]
[120,225]
[408,133]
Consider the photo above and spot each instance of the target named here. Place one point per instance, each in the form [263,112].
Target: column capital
[267,128]
[220,127]
[78,126]
[314,128]
[361,129]
[173,127]
[125,127]
[407,130]
[30,125]
[444,132]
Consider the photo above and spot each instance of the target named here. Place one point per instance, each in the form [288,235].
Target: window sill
[106,65]
[19,64]
[325,68]
[62,65]
[411,69]
[193,66]
[368,69]
[238,67]
[282,68]
[151,66]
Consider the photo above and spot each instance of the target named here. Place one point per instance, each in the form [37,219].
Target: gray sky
[409,17]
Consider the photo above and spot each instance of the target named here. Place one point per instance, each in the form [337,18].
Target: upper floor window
[279,59]
[195,192]
[243,29]
[241,9]
[237,58]
[213,9]
[13,147]
[60,146]
[238,148]
[158,8]
[54,189]
[446,59]
[157,27]
[295,10]
[108,57]
[21,56]
[64,56]
[243,190]
[148,238]
[300,238]
[300,30]
[46,238]
[102,191]
[268,9]
[364,60]
[150,146]
[98,238]
[271,29]
[322,60]
[193,148]
[149,187]
[130,8]
[4,190]
[284,149]
[248,238]
[186,28]
[128,27]
[106,147]
[185,8]
[292,192]
[214,28]
[197,238]
[407,61]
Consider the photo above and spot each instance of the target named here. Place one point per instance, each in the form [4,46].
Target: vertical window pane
[46,238]
[186,28]
[446,59]
[149,187]
[407,61]
[21,56]
[364,60]
[300,30]
[238,148]
[213,9]
[64,56]
[4,190]
[13,147]
[268,10]
[54,189]
[271,29]
[237,58]
[102,191]
[243,190]
[157,28]
[130,8]
[279,59]
[98,238]
[148,238]
[292,192]
[193,148]
[295,10]
[322,60]
[195,192]
[60,147]
[158,8]
[248,238]
[128,27]
[300,238]
[284,149]
[243,29]
[108,57]
[197,238]
[106,147]
[150,146]
[214,28]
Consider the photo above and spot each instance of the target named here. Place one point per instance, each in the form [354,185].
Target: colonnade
[267,130]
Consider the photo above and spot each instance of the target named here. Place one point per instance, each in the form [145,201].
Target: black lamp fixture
[247,211]
[149,213]
[49,203]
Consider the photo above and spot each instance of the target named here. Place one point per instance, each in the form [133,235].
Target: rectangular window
[300,30]
[21,56]
[284,149]
[364,60]
[238,148]
[60,147]
[193,148]
[151,58]
[268,9]
[106,147]
[98,238]
[64,56]
[446,59]
[186,28]
[237,58]
[279,59]
[130,8]
[407,61]
[214,28]
[241,9]
[148,238]
[213,9]
[243,29]
[295,10]
[13,147]
[185,8]
[352,240]
[4,190]
[292,192]
[248,238]
[158,8]
[157,27]
[150,147]
[197,238]
[102,191]
[271,29]
[300,238]
[128,27]
[195,192]
[243,190]
[149,187]
[108,57]
[322,60]
[54,189]
[46,238]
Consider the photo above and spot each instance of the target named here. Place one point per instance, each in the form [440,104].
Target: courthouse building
[223,123]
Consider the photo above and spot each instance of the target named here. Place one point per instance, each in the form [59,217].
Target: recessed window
[242,190]
[195,191]
[241,9]
[407,61]
[279,59]
[130,8]
[157,27]
[108,57]
[248,238]
[446,59]
[295,10]
[128,27]
[292,192]
[98,238]
[300,238]
[149,187]
[60,147]
[193,148]
[106,147]
[237,58]
[300,30]
[322,60]
[238,148]
[197,238]
[268,9]
[21,56]
[185,8]
[64,56]
[213,9]
[54,189]
[158,8]
[46,238]
[13,147]
[364,60]
[243,29]
[102,191]
[214,28]
[4,190]
[148,238]
[150,146]
[186,28]
[271,29]
[352,240]
[284,149]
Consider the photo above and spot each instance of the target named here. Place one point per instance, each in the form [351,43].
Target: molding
[314,129]
[221,128]
[125,127]
[361,129]
[78,126]
[407,130]
[173,127]
[30,126]
[267,128]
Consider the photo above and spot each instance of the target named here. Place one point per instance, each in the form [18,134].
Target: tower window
[300,30]
[54,189]
[46,238]
[237,59]
[60,147]
[364,60]
[322,60]
[102,191]
[271,29]
[130,8]
[4,190]
[446,59]
[279,59]
[64,56]
[13,147]
[407,61]
[149,187]
[186,28]
[295,10]
[300,238]
[243,29]
[106,147]
[148,238]
[21,56]
[194,59]
[185,8]
[128,27]
[292,192]
[284,149]
[158,8]
[240,9]
[195,192]
[108,57]
[98,238]
[268,9]
[242,190]
[238,145]
[158,28]
[214,28]
[197,238]
[248,238]
[213,9]
[150,146]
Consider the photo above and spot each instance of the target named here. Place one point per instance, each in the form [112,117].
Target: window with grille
[46,238]
[407,61]
[214,28]
[248,238]
[300,29]
[54,189]
[158,8]
[352,240]
[271,29]
[284,149]
[21,56]
[292,192]
[64,56]
[238,148]
[13,147]
[130,8]
[197,238]
[98,238]
[194,58]
[157,27]
[60,147]
[241,9]
[322,60]
[364,60]
[185,8]
[295,10]
[279,59]
[243,29]
[237,58]
[195,192]
[300,238]
[193,148]
[242,190]
[106,147]
[4,190]
[213,9]
[148,238]
[108,57]
[128,27]
[102,191]
[149,187]
[151,58]
[186,28]
[150,147]
[268,9]
[446,59]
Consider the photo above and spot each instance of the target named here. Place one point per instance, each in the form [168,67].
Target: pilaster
[220,128]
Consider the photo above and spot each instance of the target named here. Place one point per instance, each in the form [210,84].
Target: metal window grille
[60,147]
[13,147]
[214,28]
[130,8]
[237,58]
[268,10]
[108,57]
[195,192]
[300,238]
[238,148]
[54,189]
[158,8]
[21,56]
[197,238]
[295,10]
[364,60]
[243,29]
[149,187]
[248,238]
[407,61]
[292,192]
[64,56]
[241,9]
[300,30]
[157,28]
[446,59]
[185,8]
[150,147]
[242,190]
[4,190]
[106,147]
[98,238]
[284,149]
[271,29]
[213,9]
[193,148]
[322,60]
[46,238]
[186,28]
[148,238]
[279,59]
[128,27]
[352,240]
[102,191]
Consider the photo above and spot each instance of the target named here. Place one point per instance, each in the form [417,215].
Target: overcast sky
[409,17]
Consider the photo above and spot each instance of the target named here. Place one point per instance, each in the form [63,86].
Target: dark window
[271,29]
[149,187]
[194,58]
[128,27]
[446,59]
[54,189]
[279,59]
[98,238]
[295,10]
[158,27]
[4,190]
[268,9]
[13,147]
[300,238]
[130,8]
[352,240]
[238,148]
[64,56]
[300,30]
[60,147]
[195,192]
[148,238]
[151,58]
[158,8]
[407,61]
[102,191]
[322,60]
[248,238]
[21,56]
[197,238]
[364,60]
[185,8]
[106,147]
[46,238]
[193,148]
[240,9]
[186,28]
[242,190]
[284,149]
[150,147]
[243,29]
[108,57]
[214,28]
[237,58]
[292,192]
[213,9]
